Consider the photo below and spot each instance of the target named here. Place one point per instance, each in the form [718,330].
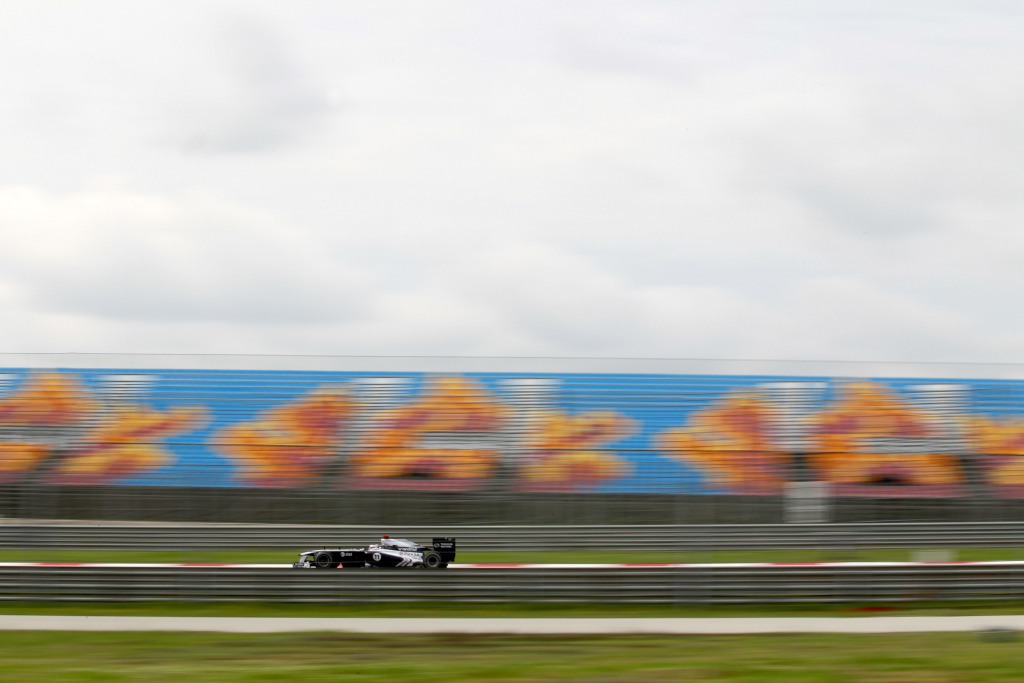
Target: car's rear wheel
[324,561]
[432,560]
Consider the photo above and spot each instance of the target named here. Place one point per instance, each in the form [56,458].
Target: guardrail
[516,538]
[689,585]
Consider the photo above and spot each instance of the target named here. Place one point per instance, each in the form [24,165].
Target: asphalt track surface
[104,565]
[519,626]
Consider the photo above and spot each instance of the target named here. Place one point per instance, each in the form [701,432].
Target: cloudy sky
[705,179]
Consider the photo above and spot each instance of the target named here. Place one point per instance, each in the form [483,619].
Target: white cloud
[616,178]
[123,256]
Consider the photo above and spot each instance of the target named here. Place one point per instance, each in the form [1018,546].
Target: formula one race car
[390,552]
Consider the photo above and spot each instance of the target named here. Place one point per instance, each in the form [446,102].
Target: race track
[719,565]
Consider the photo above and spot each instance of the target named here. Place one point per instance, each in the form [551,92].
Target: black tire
[432,560]
[324,561]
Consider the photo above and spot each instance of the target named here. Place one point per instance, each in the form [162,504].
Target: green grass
[538,557]
[924,658]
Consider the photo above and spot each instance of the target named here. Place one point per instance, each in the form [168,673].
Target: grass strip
[811,658]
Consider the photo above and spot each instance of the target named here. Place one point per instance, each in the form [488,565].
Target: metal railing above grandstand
[292,538]
[118,362]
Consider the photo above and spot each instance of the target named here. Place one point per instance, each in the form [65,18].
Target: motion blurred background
[384,241]
[332,443]
[274,276]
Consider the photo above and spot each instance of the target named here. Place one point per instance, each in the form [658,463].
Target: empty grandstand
[464,441]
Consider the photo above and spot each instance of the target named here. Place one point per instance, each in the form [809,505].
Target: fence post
[807,502]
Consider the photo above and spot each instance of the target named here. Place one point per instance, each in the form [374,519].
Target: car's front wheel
[324,561]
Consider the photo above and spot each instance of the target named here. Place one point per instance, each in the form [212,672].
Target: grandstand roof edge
[518,365]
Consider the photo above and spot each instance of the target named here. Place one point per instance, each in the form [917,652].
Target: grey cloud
[267,100]
[873,216]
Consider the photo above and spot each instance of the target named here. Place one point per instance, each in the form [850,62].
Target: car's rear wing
[446,548]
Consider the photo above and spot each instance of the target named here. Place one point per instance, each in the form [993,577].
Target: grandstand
[407,441]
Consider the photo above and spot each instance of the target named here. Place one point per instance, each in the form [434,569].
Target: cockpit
[398,544]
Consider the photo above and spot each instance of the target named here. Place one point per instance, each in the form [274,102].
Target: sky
[628,179]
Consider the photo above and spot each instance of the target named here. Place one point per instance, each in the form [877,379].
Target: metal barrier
[243,505]
[515,538]
[690,585]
